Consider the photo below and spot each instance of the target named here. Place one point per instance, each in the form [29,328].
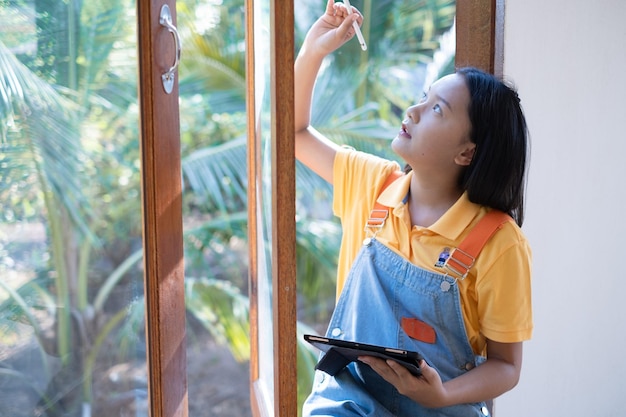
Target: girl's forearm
[306,68]
[487,381]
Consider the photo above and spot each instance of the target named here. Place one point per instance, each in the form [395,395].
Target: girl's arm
[328,33]
[499,374]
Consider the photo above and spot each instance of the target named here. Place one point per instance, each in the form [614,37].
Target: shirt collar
[450,225]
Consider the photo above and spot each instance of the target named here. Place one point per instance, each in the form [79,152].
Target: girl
[465,146]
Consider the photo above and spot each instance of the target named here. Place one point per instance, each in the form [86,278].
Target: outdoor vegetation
[71,279]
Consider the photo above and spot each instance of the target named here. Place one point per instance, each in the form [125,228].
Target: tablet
[339,353]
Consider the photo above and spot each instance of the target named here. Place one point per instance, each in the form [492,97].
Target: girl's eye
[423,98]
[437,108]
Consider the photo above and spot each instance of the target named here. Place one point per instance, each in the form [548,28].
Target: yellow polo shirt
[496,294]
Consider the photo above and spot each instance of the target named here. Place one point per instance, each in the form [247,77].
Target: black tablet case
[339,353]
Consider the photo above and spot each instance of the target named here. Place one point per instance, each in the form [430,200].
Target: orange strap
[462,258]
[379,213]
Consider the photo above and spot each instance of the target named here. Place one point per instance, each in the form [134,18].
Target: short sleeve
[357,177]
[504,290]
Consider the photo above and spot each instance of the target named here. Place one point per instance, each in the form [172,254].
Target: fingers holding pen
[342,11]
[350,26]
[353,17]
[333,29]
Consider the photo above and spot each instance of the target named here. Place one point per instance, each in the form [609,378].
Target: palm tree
[52,99]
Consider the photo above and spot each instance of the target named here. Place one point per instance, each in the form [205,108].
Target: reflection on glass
[71,284]
[263,117]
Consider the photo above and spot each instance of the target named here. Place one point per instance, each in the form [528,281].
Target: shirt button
[485,411]
[469,366]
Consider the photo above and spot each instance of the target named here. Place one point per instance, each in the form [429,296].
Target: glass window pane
[212,99]
[71,293]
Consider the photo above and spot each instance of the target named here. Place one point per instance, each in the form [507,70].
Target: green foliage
[54,100]
[39,142]
[218,177]
[222,310]
[317,246]
[214,57]
[307,359]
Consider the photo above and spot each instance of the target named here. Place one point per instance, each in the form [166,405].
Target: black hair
[496,177]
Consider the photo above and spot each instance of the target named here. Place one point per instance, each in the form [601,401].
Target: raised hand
[332,29]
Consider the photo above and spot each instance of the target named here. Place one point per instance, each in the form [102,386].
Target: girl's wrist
[311,54]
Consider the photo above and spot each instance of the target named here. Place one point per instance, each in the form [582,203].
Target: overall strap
[462,258]
[379,213]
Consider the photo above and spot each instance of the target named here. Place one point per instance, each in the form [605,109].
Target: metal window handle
[165,19]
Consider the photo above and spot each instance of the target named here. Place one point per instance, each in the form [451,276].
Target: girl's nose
[413,113]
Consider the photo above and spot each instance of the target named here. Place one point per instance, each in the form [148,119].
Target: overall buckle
[459,263]
[374,223]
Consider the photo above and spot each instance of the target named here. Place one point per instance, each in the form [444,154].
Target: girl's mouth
[403,132]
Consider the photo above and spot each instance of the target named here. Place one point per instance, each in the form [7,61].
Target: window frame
[283,225]
[479,43]
[480,40]
[162,216]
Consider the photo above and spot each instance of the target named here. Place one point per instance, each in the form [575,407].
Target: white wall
[568,59]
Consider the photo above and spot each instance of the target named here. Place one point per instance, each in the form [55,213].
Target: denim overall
[381,289]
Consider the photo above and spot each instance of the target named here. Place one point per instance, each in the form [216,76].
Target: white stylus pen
[356,27]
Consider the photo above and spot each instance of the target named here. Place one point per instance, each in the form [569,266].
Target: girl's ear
[465,157]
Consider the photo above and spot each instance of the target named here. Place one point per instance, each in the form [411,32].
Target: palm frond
[214,59]
[334,93]
[44,127]
[19,315]
[24,95]
[224,68]
[317,245]
[218,175]
[100,31]
[335,114]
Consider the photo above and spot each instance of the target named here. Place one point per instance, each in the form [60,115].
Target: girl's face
[435,133]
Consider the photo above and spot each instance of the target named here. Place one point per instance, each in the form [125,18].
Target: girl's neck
[428,203]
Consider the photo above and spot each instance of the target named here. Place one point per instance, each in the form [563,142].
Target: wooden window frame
[480,35]
[162,216]
[283,210]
